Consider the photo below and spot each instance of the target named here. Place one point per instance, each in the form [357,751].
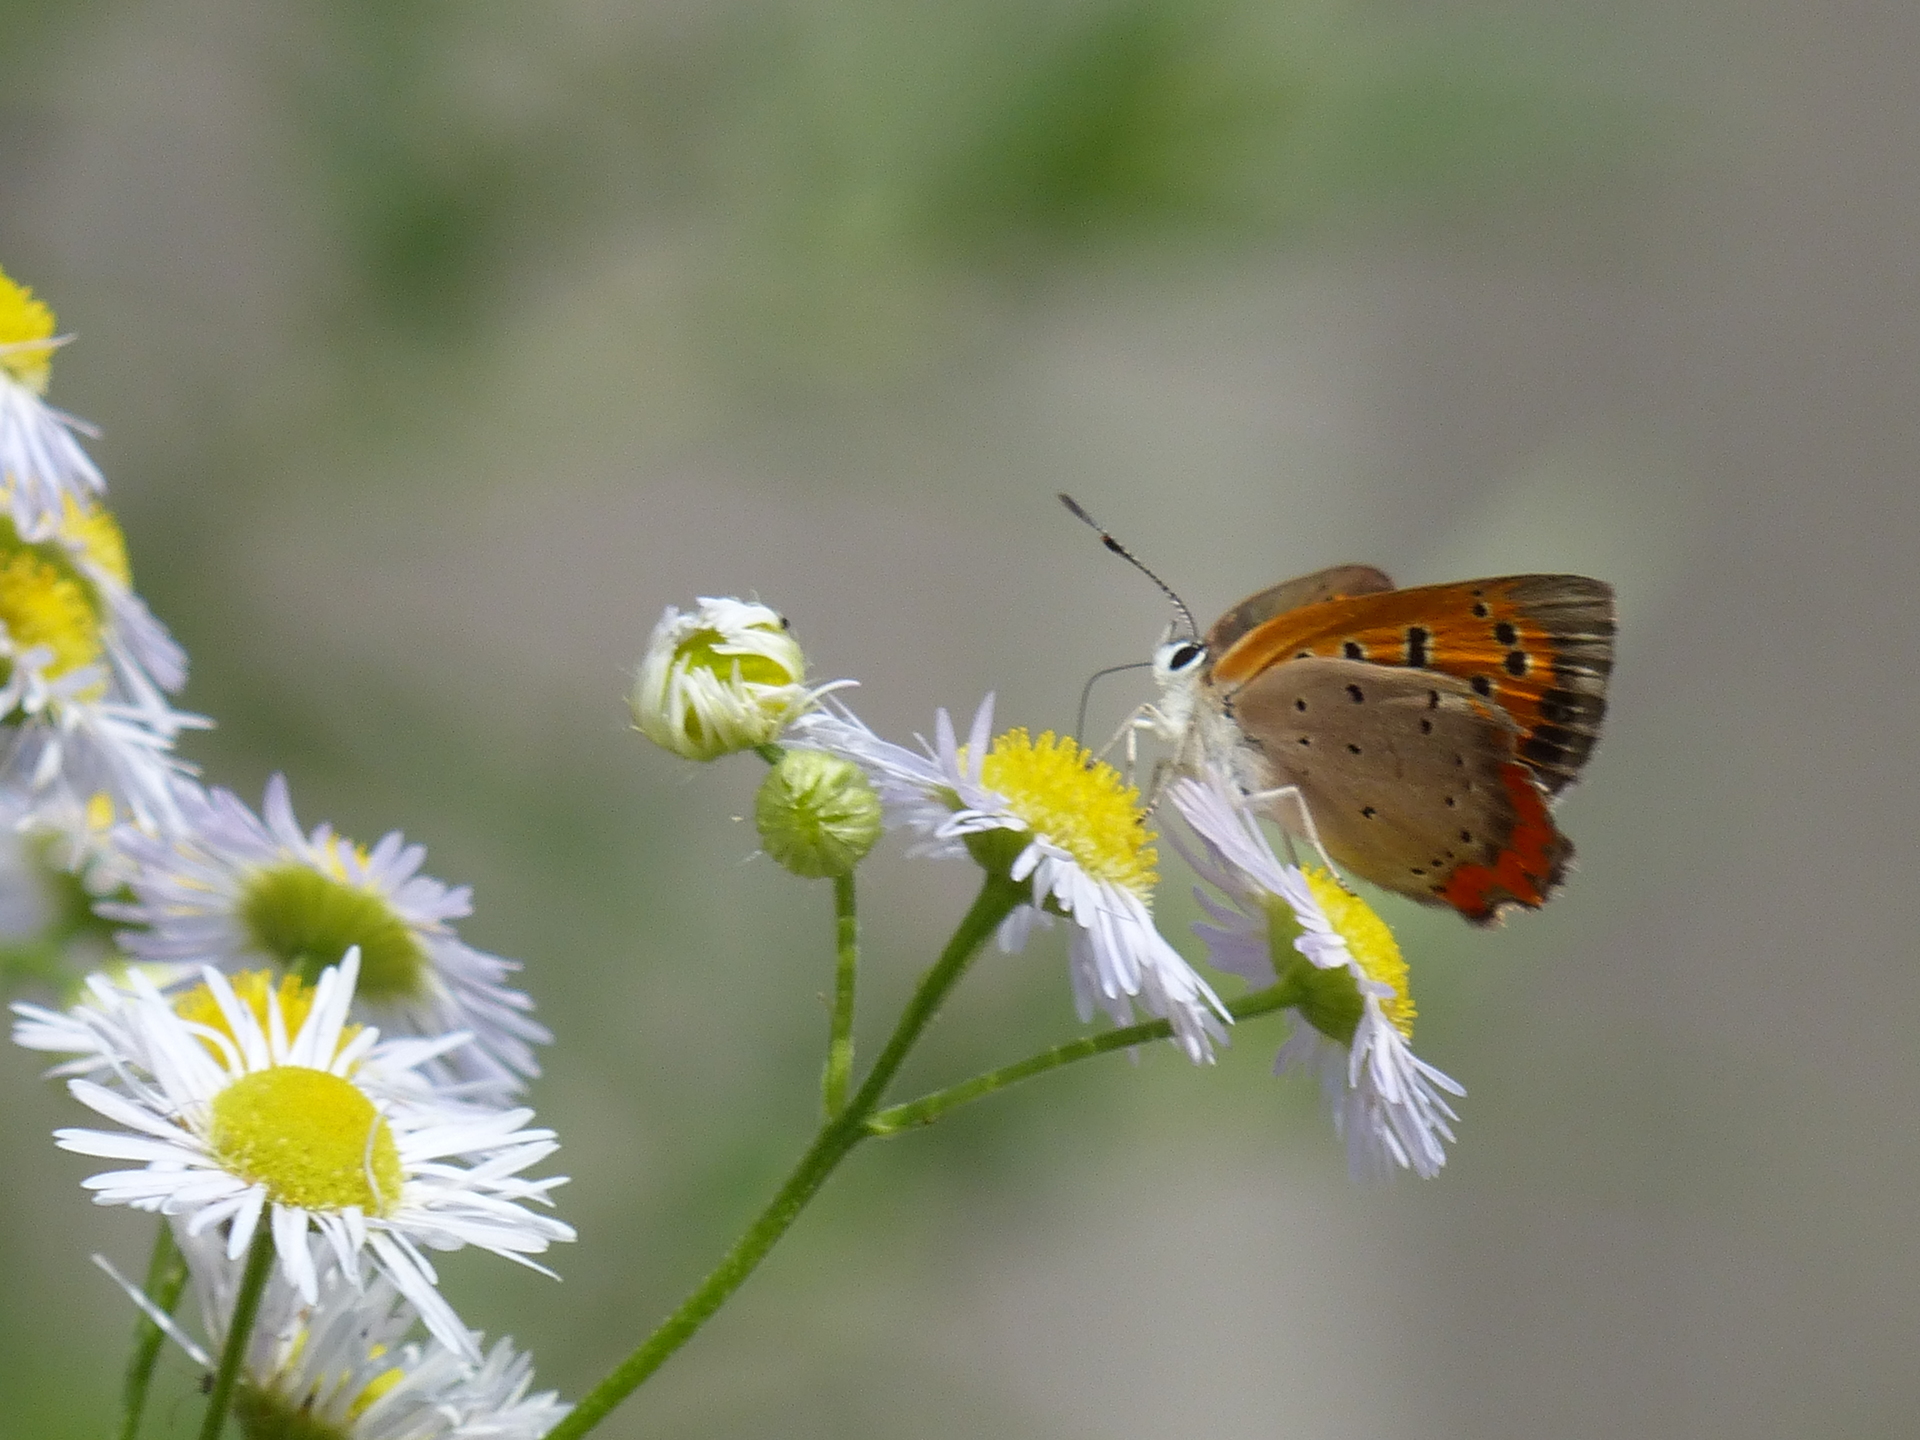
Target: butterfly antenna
[1074,509]
[1086,692]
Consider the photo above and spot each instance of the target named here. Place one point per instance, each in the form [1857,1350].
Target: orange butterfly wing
[1538,646]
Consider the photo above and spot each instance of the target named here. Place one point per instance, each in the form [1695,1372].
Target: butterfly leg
[1298,803]
[1143,718]
[1164,769]
[1125,732]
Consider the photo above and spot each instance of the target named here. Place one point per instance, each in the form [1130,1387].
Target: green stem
[166,1278]
[839,1074]
[246,1305]
[770,753]
[837,1137]
[929,1108]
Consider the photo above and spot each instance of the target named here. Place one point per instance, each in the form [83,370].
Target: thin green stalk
[838,1078]
[166,1278]
[246,1305]
[837,1137]
[928,1108]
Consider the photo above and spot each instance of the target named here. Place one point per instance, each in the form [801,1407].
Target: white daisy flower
[342,1368]
[1353,1018]
[727,676]
[236,889]
[66,745]
[100,1028]
[55,865]
[1046,814]
[40,459]
[248,1104]
[84,666]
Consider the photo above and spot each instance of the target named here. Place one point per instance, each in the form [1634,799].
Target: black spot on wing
[1417,638]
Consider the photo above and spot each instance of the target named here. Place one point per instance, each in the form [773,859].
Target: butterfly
[1419,736]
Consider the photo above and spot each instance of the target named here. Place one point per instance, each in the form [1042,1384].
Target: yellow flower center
[1330,1000]
[376,1387]
[45,599]
[307,921]
[1369,941]
[47,596]
[273,1410]
[711,650]
[251,988]
[313,1139]
[1079,803]
[24,322]
[92,530]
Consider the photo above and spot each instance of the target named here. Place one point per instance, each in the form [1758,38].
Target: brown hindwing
[1538,646]
[1412,780]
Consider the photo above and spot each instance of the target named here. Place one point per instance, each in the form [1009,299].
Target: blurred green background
[438,346]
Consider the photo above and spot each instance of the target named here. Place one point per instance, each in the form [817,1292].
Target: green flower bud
[816,813]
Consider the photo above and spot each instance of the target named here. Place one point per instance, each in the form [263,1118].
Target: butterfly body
[1424,732]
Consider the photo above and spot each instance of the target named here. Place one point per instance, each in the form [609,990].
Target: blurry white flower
[56,862]
[343,1366]
[235,889]
[41,462]
[83,669]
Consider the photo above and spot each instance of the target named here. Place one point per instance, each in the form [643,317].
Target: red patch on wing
[1527,870]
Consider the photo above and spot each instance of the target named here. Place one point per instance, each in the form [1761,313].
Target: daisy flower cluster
[1051,816]
[1071,837]
[85,668]
[289,1054]
[294,1062]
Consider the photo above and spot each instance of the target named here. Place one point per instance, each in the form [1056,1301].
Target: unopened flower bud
[817,814]
[724,677]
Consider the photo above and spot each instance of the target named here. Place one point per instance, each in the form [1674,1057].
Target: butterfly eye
[1185,657]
